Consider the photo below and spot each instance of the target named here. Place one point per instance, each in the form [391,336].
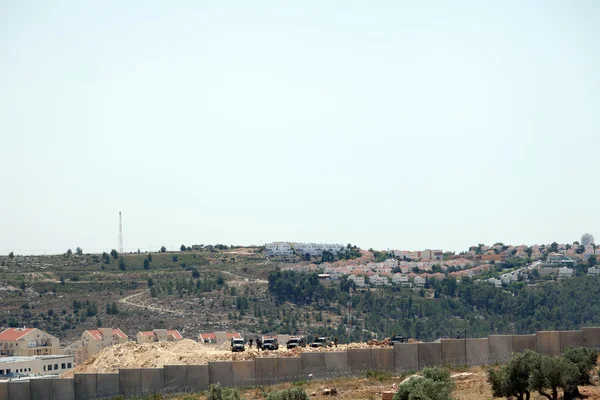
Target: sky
[386,124]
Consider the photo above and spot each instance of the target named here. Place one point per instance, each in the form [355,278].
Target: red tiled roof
[119,333]
[175,334]
[14,333]
[233,335]
[208,336]
[147,333]
[97,335]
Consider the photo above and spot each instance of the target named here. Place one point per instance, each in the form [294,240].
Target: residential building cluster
[285,249]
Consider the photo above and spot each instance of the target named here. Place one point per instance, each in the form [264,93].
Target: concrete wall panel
[85,386]
[406,356]
[220,372]
[591,337]
[107,386]
[175,378]
[290,369]
[4,390]
[313,363]
[130,382]
[40,389]
[18,390]
[63,389]
[243,373]
[454,351]
[359,359]
[570,339]
[478,351]
[336,363]
[524,342]
[197,377]
[152,380]
[266,370]
[382,359]
[430,354]
[548,343]
[501,348]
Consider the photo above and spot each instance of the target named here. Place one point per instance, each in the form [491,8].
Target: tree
[307,257]
[580,249]
[79,251]
[99,323]
[175,258]
[62,280]
[585,359]
[150,257]
[150,282]
[122,265]
[592,261]
[114,309]
[11,255]
[69,252]
[106,257]
[146,264]
[182,248]
[512,379]
[554,247]
[434,385]
[195,273]
[163,249]
[552,373]
[114,254]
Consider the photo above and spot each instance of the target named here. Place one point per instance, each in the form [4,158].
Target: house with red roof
[218,337]
[93,341]
[27,342]
[158,335]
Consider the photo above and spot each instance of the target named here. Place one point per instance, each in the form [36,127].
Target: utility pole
[120,234]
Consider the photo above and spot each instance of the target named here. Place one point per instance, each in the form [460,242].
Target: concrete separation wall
[63,389]
[359,359]
[197,377]
[85,386]
[18,390]
[524,342]
[478,351]
[40,389]
[336,362]
[130,382]
[454,351]
[4,390]
[548,343]
[220,372]
[243,373]
[290,369]
[430,354]
[591,337]
[107,386]
[266,370]
[152,380]
[313,363]
[501,347]
[382,359]
[406,356]
[570,338]
[175,378]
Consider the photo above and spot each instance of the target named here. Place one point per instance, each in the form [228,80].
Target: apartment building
[587,239]
[158,335]
[400,279]
[27,342]
[377,280]
[276,249]
[419,282]
[92,342]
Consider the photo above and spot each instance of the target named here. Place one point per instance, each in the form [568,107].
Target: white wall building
[593,271]
[279,249]
[419,282]
[358,280]
[316,249]
[41,365]
[377,280]
[565,272]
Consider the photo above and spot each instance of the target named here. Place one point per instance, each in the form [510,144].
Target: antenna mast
[120,234]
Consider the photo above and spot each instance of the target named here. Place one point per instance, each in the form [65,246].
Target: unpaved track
[126,300]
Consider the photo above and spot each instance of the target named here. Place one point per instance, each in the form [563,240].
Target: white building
[41,365]
[400,279]
[358,280]
[495,282]
[377,280]
[565,272]
[316,249]
[587,239]
[279,249]
[419,282]
[593,271]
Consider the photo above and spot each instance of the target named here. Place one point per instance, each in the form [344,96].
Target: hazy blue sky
[386,124]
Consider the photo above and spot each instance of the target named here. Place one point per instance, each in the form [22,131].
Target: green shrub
[217,392]
[379,375]
[435,384]
[288,394]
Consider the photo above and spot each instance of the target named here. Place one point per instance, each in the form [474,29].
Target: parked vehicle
[238,344]
[397,339]
[296,342]
[321,342]
[270,344]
